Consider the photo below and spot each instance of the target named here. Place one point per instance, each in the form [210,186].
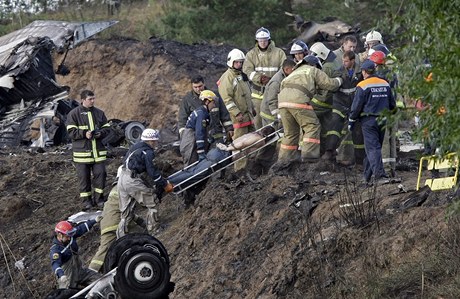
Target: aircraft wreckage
[33,106]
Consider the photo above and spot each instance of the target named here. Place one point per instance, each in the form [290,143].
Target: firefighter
[87,126]
[322,100]
[236,93]
[294,101]
[109,223]
[299,50]
[269,110]
[342,100]
[262,62]
[373,96]
[193,145]
[373,38]
[65,261]
[133,182]
[220,118]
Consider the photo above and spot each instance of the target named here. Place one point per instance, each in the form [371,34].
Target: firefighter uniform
[236,94]
[261,62]
[352,144]
[373,95]
[294,102]
[194,141]
[322,102]
[89,155]
[66,261]
[219,116]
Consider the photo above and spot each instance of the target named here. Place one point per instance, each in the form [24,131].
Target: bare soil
[242,239]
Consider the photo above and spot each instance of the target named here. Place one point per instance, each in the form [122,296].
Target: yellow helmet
[207,95]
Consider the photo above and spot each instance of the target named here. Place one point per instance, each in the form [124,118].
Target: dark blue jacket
[140,158]
[199,121]
[373,95]
[61,254]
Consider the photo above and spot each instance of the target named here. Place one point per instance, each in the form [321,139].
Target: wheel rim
[144,270]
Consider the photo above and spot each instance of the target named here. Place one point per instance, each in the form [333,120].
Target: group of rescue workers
[328,103]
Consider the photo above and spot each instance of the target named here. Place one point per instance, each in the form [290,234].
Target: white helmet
[374,36]
[262,33]
[150,134]
[299,47]
[233,55]
[320,50]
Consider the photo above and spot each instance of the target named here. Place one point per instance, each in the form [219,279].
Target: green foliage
[232,22]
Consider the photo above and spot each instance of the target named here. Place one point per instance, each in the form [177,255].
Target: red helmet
[378,57]
[65,228]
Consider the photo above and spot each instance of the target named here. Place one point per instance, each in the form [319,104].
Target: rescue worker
[342,100]
[373,38]
[133,181]
[109,223]
[349,43]
[322,100]
[269,110]
[220,118]
[294,101]
[87,126]
[389,153]
[262,62]
[194,141]
[236,93]
[65,261]
[299,50]
[373,96]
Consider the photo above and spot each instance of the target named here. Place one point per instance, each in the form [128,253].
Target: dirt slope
[242,239]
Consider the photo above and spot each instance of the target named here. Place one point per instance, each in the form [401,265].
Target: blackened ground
[241,239]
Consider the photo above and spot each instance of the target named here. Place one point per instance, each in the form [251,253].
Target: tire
[142,273]
[121,245]
[133,131]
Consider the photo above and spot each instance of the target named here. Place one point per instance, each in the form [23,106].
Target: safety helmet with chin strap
[65,228]
[207,95]
[262,33]
[299,47]
[233,55]
[150,134]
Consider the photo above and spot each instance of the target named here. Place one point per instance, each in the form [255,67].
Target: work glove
[351,125]
[264,79]
[64,282]
[239,117]
[201,156]
[98,218]
[169,187]
[159,193]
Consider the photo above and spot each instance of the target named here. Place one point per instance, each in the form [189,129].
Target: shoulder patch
[55,256]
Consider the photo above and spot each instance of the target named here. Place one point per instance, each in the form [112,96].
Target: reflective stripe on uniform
[267,69]
[109,229]
[242,125]
[332,132]
[230,106]
[83,160]
[295,105]
[267,116]
[85,194]
[359,146]
[98,190]
[288,147]
[227,123]
[257,96]
[81,154]
[347,90]
[338,112]
[321,103]
[311,140]
[388,160]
